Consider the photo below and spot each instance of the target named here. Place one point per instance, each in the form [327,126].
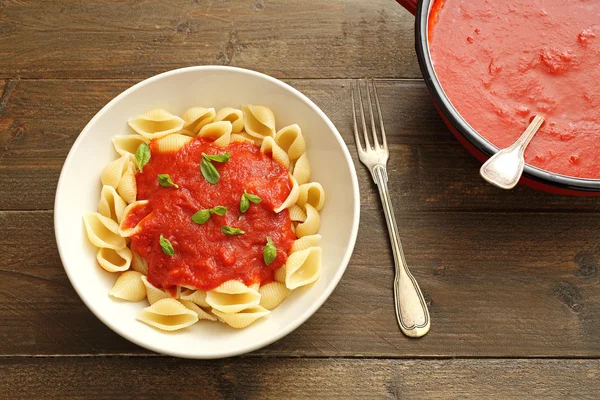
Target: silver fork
[411,310]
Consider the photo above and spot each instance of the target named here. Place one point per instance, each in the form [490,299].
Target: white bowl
[79,191]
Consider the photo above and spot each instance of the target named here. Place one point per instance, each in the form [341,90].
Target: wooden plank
[428,169]
[283,38]
[499,284]
[290,378]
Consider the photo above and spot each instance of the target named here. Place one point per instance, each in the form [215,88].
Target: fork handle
[411,310]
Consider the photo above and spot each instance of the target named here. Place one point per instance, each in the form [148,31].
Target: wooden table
[511,277]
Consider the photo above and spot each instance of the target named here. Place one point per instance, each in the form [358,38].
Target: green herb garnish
[246,199]
[164,180]
[203,215]
[142,156]
[208,170]
[269,252]
[167,247]
[230,231]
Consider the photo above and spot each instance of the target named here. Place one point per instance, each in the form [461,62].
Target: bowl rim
[267,340]
[481,144]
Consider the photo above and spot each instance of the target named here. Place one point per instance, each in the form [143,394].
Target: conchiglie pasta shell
[272,294]
[220,132]
[292,197]
[127,188]
[243,318]
[197,117]
[236,117]
[259,121]
[277,153]
[111,174]
[112,260]
[111,205]
[172,143]
[313,194]
[200,312]
[103,232]
[280,275]
[129,286]
[297,214]
[312,223]
[128,144]
[236,137]
[139,263]
[128,232]
[302,169]
[156,123]
[290,139]
[153,293]
[168,315]
[303,267]
[231,297]
[197,297]
[305,242]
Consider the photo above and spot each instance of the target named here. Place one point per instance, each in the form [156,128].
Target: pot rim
[463,127]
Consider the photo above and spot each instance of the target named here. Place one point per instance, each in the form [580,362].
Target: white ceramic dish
[79,190]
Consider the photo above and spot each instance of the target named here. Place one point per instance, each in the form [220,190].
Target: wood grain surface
[511,278]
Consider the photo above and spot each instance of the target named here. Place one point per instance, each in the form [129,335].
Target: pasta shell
[302,169]
[220,132]
[280,275]
[127,188]
[153,293]
[272,294]
[290,139]
[156,123]
[255,286]
[200,312]
[312,223]
[111,174]
[125,229]
[196,117]
[243,318]
[236,117]
[128,144]
[313,194]
[168,315]
[129,286]
[112,260]
[303,267]
[236,137]
[297,214]
[103,232]
[277,153]
[139,263]
[305,242]
[259,121]
[172,143]
[292,197]
[231,297]
[111,205]
[197,297]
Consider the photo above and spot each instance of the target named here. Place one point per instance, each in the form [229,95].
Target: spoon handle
[523,141]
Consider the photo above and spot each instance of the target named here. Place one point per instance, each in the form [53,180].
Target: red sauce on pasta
[501,62]
[204,256]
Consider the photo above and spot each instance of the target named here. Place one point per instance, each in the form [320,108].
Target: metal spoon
[504,169]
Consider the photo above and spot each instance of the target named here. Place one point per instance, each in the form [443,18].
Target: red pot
[482,149]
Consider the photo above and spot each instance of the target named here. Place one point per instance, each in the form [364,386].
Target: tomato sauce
[502,62]
[204,256]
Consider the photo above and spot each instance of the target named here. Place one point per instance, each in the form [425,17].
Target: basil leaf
[244,203]
[269,252]
[142,156]
[219,210]
[209,171]
[167,247]
[201,216]
[216,157]
[252,197]
[164,180]
[230,231]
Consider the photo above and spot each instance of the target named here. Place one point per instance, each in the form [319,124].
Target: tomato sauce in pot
[502,62]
